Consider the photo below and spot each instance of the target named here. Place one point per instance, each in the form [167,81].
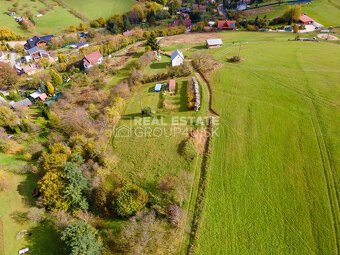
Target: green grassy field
[153,157]
[54,21]
[146,159]
[100,8]
[273,178]
[58,19]
[14,204]
[158,66]
[326,12]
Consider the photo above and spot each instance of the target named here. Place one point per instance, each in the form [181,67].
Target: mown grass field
[100,8]
[58,19]
[54,21]
[273,181]
[326,12]
[14,204]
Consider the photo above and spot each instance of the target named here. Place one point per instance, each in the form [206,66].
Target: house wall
[214,46]
[177,61]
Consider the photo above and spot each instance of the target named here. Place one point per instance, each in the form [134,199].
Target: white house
[92,59]
[177,58]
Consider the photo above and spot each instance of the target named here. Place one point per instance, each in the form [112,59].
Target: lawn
[158,66]
[54,21]
[153,157]
[100,8]
[273,178]
[145,159]
[14,204]
[326,12]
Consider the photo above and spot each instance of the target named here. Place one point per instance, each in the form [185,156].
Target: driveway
[13,43]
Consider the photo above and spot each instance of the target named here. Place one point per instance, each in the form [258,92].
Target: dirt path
[2,239]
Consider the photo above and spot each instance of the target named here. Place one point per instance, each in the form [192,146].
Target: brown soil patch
[328,37]
[257,11]
[184,39]
[200,137]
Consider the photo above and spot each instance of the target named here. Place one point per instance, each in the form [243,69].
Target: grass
[144,160]
[14,204]
[54,21]
[100,8]
[326,12]
[272,184]
[57,20]
[153,157]
[124,73]
[158,66]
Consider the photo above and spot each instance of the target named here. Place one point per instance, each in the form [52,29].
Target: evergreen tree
[75,186]
[81,238]
[152,42]
[126,23]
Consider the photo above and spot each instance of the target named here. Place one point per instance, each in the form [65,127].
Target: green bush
[189,149]
[130,199]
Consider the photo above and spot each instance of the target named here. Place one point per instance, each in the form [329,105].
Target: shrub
[203,62]
[147,111]
[168,183]
[35,214]
[173,214]
[188,149]
[234,59]
[130,199]
[190,94]
[4,185]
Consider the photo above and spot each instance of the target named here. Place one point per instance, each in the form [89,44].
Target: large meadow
[100,8]
[55,20]
[273,180]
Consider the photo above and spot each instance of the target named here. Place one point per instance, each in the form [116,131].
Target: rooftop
[175,54]
[214,41]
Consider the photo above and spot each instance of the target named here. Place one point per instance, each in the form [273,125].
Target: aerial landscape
[196,127]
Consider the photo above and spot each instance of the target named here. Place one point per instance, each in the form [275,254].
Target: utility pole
[239,49]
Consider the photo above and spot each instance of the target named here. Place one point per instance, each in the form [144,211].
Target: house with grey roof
[177,58]
[36,53]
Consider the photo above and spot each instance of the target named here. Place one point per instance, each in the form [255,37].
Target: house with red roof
[304,19]
[128,33]
[226,24]
[187,23]
[92,59]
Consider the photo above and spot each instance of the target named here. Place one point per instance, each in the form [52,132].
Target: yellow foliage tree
[50,88]
[51,187]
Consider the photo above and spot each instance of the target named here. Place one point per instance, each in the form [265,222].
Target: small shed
[158,87]
[214,43]
[172,86]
